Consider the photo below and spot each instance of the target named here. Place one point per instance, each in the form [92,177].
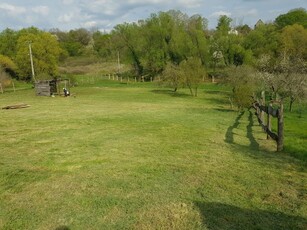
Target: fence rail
[266,124]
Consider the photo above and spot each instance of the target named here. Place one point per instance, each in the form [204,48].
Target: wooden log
[19,106]
[273,112]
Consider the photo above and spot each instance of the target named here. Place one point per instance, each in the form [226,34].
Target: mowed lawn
[116,156]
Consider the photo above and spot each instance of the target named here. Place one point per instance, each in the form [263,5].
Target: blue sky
[105,14]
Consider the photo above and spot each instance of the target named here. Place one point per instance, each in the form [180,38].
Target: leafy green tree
[129,42]
[75,42]
[243,29]
[166,32]
[295,16]
[172,76]
[227,45]
[81,36]
[4,78]
[103,45]
[294,42]
[8,66]
[8,42]
[290,70]
[193,72]
[157,33]
[164,37]
[189,73]
[223,25]
[196,30]
[45,52]
[245,84]
[264,40]
[181,45]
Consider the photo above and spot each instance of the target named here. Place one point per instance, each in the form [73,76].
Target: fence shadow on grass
[224,216]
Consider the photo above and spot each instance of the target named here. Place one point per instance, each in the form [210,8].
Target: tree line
[180,50]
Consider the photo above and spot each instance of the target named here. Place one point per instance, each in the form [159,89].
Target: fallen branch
[19,106]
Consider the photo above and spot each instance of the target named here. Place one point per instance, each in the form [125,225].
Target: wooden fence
[261,110]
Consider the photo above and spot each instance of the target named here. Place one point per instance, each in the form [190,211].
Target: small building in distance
[46,87]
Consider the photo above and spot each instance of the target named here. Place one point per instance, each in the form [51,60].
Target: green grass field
[118,156]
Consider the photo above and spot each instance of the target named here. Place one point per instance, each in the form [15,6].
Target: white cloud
[66,18]
[220,13]
[105,7]
[89,24]
[252,12]
[67,2]
[11,9]
[146,1]
[191,3]
[104,14]
[43,10]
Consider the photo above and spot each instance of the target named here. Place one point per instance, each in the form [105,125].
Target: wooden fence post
[271,112]
[263,104]
[280,141]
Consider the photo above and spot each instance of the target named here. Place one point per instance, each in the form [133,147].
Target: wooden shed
[46,87]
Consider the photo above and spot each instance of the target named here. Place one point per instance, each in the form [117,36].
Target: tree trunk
[291,103]
[191,90]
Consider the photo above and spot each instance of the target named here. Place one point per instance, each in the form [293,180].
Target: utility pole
[31,59]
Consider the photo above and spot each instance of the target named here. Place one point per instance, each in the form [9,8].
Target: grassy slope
[143,158]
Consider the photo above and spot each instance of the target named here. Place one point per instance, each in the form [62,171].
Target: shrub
[5,79]
[244,84]
[8,66]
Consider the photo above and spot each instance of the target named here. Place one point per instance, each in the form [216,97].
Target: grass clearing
[121,156]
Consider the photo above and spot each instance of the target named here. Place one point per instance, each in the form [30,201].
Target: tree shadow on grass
[224,216]
[170,93]
[62,227]
[222,109]
[213,92]
[229,136]
[249,132]
[254,151]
